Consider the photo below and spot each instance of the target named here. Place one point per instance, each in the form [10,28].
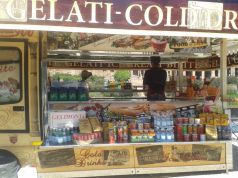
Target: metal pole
[223,67]
[180,77]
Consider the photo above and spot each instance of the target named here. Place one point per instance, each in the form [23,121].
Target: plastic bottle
[163,135]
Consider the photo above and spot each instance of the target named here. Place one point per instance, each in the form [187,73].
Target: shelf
[136,144]
[118,90]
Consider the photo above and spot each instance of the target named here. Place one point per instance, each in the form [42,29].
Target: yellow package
[203,120]
[96,125]
[225,116]
[85,126]
[224,120]
[202,115]
[217,119]
[211,132]
[210,119]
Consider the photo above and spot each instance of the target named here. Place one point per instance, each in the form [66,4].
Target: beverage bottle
[64,135]
[105,85]
[59,136]
[68,135]
[53,136]
[50,136]
[163,135]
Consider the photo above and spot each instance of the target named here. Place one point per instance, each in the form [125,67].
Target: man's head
[155,60]
[85,74]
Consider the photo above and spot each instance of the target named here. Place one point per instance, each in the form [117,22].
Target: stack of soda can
[164,126]
[189,129]
[118,132]
[141,131]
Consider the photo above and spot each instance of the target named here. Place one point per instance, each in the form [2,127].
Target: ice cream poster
[9,82]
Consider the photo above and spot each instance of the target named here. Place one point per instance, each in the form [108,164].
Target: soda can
[125,138]
[132,125]
[119,134]
[111,136]
[179,120]
[179,132]
[202,137]
[195,137]
[186,137]
[125,130]
[191,120]
[146,126]
[197,120]
[201,129]
[115,133]
[190,129]
[185,120]
[195,129]
[185,129]
[140,126]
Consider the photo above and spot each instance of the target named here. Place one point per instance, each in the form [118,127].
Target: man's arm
[145,83]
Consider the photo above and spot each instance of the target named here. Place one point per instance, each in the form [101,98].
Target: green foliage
[122,75]
[198,84]
[96,82]
[230,80]
[66,77]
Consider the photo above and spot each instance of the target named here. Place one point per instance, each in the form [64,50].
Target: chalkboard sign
[117,157]
[150,155]
[206,152]
[57,158]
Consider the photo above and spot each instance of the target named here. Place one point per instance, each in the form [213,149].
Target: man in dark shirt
[154,80]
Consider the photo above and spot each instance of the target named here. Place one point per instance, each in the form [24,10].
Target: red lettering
[7,68]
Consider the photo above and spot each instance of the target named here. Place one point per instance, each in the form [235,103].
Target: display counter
[81,158]
[141,158]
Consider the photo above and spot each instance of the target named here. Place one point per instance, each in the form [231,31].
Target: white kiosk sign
[205,15]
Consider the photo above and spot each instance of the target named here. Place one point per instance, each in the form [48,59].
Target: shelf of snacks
[135,123]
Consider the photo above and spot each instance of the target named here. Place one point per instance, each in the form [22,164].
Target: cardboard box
[85,126]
